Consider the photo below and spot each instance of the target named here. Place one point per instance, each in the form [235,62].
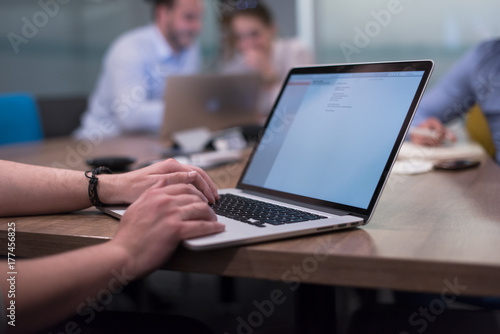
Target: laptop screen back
[331,135]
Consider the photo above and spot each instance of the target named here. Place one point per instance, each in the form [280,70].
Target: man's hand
[431,133]
[126,188]
[152,227]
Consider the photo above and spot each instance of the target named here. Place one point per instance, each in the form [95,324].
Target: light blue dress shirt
[474,79]
[130,90]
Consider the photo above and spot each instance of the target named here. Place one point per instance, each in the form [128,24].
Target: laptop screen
[331,135]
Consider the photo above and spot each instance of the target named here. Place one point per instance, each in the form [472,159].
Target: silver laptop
[215,101]
[325,154]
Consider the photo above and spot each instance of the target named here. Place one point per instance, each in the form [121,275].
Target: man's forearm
[27,190]
[61,286]
[36,190]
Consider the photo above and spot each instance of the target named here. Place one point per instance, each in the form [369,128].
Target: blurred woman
[252,46]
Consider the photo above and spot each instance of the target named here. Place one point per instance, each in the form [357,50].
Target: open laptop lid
[334,133]
[215,101]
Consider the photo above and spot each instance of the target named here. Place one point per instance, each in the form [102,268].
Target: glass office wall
[55,48]
[372,30]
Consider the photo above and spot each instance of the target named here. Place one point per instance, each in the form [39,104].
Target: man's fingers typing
[182,189]
[201,183]
[194,178]
[197,211]
[208,181]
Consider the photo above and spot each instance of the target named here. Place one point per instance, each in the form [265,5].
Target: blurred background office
[62,55]
[55,51]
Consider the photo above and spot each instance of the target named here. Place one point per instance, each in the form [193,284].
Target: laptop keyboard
[259,213]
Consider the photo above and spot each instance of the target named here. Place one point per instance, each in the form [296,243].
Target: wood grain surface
[428,231]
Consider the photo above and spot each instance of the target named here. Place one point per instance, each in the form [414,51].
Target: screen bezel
[400,66]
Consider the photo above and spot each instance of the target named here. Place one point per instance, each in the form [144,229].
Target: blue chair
[19,119]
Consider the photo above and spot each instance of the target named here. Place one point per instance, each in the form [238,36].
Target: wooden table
[429,231]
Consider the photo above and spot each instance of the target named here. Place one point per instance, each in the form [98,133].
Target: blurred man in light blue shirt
[474,79]
[129,93]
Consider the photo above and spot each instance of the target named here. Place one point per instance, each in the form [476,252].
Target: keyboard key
[259,213]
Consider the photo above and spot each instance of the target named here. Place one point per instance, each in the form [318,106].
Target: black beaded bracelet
[94,198]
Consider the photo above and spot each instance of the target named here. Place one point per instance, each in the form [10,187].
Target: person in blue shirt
[129,93]
[475,79]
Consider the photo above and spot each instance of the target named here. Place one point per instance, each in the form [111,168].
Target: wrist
[109,189]
[122,258]
[129,254]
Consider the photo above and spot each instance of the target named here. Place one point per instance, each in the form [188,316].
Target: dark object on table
[456,165]
[116,164]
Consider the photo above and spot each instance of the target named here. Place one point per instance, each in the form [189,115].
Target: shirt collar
[163,49]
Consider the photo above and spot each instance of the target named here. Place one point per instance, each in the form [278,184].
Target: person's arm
[451,97]
[30,190]
[431,132]
[262,63]
[132,81]
[50,289]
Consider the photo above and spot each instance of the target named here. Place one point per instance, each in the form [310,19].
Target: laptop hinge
[304,205]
